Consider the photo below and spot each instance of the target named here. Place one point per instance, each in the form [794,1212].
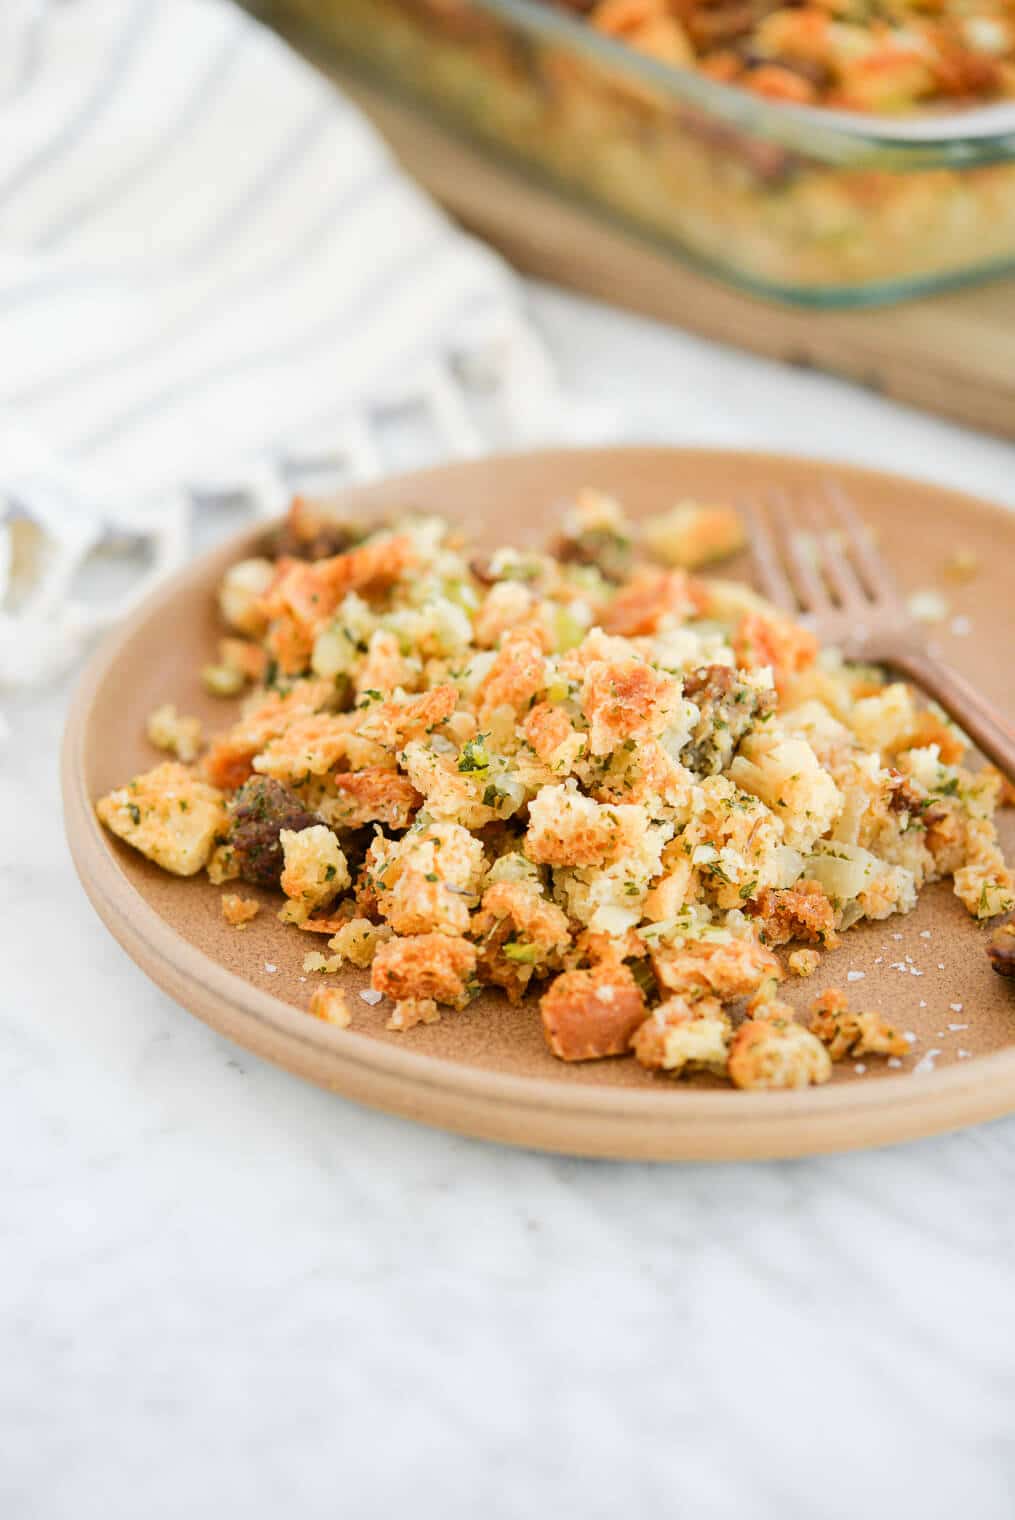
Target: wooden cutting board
[953,354]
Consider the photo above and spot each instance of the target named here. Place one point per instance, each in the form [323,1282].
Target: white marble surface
[226,1293]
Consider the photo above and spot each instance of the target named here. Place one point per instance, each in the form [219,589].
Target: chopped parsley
[474,756]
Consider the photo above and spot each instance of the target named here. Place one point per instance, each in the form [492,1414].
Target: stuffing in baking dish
[882,56]
[810,210]
[584,776]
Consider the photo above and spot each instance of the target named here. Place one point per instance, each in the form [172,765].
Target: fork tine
[771,576]
[836,568]
[810,589]
[868,562]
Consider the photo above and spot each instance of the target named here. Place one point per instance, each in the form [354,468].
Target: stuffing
[508,604]
[612,899]
[329,1004]
[309,747]
[229,760]
[893,890]
[803,962]
[384,667]
[409,1012]
[1005,788]
[733,843]
[244,657]
[437,966]
[258,813]
[373,795]
[455,788]
[238,911]
[552,736]
[394,723]
[728,970]
[180,736]
[309,592]
[802,911]
[356,941]
[312,530]
[728,706]
[518,674]
[853,1034]
[626,701]
[223,680]
[590,1014]
[934,728]
[223,865]
[984,885]
[775,1052]
[766,639]
[589,778]
[691,535]
[831,740]
[243,586]
[654,600]
[890,722]
[784,772]
[567,829]
[677,884]
[428,880]
[1001,950]
[645,774]
[168,815]
[596,646]
[597,534]
[519,935]
[684,1035]
[314,869]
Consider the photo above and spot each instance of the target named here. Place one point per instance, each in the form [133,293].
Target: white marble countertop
[226,1293]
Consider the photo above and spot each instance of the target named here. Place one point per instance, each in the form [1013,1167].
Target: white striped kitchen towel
[210,266]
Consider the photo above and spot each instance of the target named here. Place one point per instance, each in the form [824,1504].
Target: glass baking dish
[805,205]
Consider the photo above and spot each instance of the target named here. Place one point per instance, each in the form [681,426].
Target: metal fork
[816,560]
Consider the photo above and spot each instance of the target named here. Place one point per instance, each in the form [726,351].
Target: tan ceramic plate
[486,1071]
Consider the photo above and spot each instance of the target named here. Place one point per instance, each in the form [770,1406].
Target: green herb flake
[519,951]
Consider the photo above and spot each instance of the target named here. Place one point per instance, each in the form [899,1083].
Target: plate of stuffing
[497,797]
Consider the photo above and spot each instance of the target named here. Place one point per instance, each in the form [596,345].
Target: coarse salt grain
[940,965]
[896,936]
[878,959]
[270,967]
[961,626]
[854,976]
[925,934]
[956,1027]
[859,1068]
[927,606]
[894,1061]
[369,995]
[923,1002]
[926,1063]
[955,1007]
[964,1055]
[910,1036]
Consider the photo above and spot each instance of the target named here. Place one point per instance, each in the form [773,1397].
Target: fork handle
[989,730]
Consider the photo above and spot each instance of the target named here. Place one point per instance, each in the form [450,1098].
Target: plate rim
[534,1112]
